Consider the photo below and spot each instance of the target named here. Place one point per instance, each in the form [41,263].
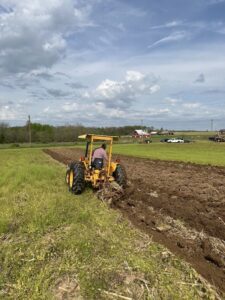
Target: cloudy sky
[113,62]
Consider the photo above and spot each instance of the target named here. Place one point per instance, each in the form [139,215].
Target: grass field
[199,152]
[55,244]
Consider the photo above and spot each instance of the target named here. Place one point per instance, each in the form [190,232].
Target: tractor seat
[97,164]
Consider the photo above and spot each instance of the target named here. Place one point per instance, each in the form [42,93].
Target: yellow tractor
[81,172]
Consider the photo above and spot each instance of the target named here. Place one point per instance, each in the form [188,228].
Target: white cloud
[109,89]
[123,93]
[171,24]
[11,112]
[70,107]
[90,111]
[191,105]
[173,37]
[56,42]
[172,101]
[155,88]
[93,112]
[46,109]
[134,76]
[33,33]
[113,99]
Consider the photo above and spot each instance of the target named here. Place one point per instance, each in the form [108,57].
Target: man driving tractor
[98,157]
[91,169]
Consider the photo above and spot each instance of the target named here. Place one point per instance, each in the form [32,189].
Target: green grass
[51,239]
[196,134]
[199,152]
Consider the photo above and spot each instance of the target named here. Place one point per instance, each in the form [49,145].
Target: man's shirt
[99,153]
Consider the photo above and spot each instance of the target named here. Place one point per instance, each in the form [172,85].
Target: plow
[108,177]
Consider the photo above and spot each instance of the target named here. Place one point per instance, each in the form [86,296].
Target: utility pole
[212,124]
[142,138]
[29,130]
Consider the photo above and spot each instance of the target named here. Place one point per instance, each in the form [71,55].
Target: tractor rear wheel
[120,175]
[75,177]
[67,178]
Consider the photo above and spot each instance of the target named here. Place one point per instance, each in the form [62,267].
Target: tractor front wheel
[120,175]
[75,177]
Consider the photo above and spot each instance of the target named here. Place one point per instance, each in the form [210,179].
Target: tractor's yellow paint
[97,177]
[113,167]
[71,179]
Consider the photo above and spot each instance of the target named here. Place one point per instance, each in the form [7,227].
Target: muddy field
[182,206]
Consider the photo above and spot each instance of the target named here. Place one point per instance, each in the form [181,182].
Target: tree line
[44,133]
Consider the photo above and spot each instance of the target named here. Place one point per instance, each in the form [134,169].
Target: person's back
[99,156]
[99,153]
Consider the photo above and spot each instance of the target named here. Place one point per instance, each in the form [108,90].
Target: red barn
[139,133]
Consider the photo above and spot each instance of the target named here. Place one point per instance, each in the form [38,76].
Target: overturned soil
[182,206]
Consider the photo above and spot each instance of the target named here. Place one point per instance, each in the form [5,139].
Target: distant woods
[46,133]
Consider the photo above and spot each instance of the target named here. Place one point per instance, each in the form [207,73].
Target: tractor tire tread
[78,177]
[120,175]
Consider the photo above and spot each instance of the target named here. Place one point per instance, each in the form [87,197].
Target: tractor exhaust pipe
[86,151]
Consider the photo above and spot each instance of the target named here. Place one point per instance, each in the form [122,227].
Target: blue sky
[109,62]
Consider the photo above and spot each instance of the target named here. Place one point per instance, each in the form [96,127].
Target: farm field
[55,245]
[180,205]
[199,152]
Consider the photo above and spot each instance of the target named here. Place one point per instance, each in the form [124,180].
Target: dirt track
[181,205]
